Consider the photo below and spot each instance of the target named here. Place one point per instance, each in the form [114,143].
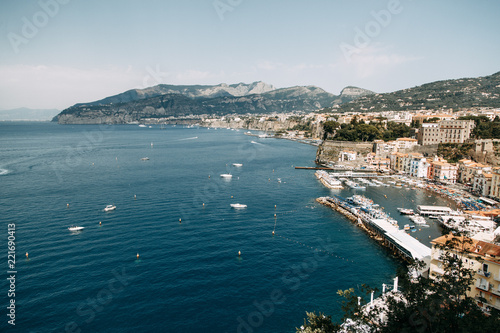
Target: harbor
[379,226]
[418,214]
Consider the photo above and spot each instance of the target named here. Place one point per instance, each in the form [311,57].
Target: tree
[329,127]
[317,324]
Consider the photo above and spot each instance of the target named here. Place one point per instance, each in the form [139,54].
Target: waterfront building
[469,169]
[377,162]
[495,185]
[419,166]
[482,257]
[398,162]
[440,170]
[482,183]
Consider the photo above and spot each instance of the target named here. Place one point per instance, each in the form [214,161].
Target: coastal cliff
[329,150]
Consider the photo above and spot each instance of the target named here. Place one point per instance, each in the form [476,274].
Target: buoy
[137,255]
[180,220]
[99,222]
[208,176]
[274,206]
[67,205]
[135,196]
[26,255]
[239,253]
[203,204]
[273,232]
[273,170]
[274,215]
[231,197]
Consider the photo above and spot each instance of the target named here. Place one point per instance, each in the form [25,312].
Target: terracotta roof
[472,245]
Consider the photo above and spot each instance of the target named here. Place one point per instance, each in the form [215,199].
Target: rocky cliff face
[329,150]
[193,91]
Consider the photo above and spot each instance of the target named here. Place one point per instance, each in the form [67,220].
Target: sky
[55,53]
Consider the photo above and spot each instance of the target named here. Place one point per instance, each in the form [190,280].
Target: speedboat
[237,164]
[145,159]
[75,228]
[109,208]
[226,175]
[238,205]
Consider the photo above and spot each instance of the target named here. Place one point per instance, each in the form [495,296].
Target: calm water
[188,277]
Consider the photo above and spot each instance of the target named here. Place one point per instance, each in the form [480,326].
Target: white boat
[142,125]
[226,175]
[75,228]
[109,208]
[417,219]
[238,205]
[145,159]
[237,164]
[406,211]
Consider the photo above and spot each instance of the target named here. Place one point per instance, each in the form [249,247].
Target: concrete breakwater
[390,236]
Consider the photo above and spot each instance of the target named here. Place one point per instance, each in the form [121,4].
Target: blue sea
[167,259]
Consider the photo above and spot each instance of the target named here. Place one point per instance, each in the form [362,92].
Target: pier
[397,240]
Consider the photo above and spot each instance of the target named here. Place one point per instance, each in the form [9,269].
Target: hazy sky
[55,53]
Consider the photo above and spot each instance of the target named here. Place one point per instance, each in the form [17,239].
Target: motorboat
[226,175]
[75,228]
[238,205]
[145,159]
[109,208]
[418,219]
[237,164]
[406,211]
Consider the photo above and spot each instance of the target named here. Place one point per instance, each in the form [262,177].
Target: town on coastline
[471,183]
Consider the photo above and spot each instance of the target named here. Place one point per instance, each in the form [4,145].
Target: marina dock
[389,234]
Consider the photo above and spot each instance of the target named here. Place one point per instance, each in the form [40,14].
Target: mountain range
[177,101]
[447,94]
[163,101]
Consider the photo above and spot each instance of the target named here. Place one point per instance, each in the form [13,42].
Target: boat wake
[257,143]
[193,138]
[4,172]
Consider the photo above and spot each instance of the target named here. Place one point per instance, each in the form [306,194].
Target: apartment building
[442,171]
[486,288]
[445,131]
